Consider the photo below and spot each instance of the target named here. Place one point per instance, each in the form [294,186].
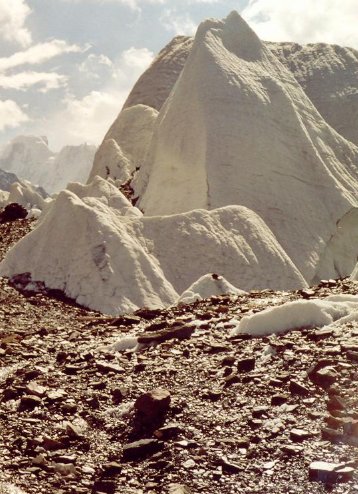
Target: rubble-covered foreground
[193,410]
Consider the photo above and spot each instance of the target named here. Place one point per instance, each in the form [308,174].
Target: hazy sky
[66,66]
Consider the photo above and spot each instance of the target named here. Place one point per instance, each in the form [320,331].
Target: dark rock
[215,347]
[118,394]
[29,402]
[104,486]
[352,356]
[232,378]
[71,369]
[255,423]
[306,294]
[94,402]
[324,377]
[10,394]
[152,407]
[69,408]
[156,326]
[277,400]
[73,431]
[246,364]
[321,334]
[228,360]
[111,469]
[139,450]
[260,411]
[213,394]
[61,357]
[185,444]
[148,314]
[12,212]
[125,321]
[65,459]
[334,422]
[178,332]
[50,444]
[230,467]
[243,442]
[297,388]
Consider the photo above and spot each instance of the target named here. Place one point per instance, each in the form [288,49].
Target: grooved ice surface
[115,260]
[238,129]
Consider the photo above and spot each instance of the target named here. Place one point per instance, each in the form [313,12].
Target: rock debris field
[192,409]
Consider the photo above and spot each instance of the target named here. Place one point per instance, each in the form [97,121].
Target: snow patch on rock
[296,315]
[124,344]
[208,286]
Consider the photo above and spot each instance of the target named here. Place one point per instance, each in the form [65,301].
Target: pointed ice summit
[234,172]
[237,128]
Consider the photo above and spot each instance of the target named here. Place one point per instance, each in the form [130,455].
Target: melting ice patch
[298,314]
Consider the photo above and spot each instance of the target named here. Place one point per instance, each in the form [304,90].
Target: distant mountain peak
[30,158]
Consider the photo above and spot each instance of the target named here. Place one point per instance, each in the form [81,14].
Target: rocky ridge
[196,411]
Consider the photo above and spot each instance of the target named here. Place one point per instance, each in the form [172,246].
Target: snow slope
[154,86]
[30,158]
[134,124]
[97,262]
[238,129]
[29,196]
[329,76]
[114,260]
[126,144]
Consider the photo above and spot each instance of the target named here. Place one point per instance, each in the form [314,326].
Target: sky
[67,66]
